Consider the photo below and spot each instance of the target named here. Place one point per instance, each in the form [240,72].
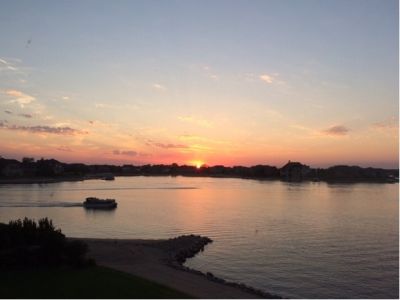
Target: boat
[109,177]
[96,203]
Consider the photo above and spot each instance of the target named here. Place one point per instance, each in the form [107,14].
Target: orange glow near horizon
[197,163]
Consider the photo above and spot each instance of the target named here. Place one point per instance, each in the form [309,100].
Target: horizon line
[207,165]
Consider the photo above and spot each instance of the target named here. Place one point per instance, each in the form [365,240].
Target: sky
[214,82]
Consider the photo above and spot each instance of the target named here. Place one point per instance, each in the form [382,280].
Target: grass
[91,282]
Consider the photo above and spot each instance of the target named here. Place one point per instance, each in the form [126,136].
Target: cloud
[389,124]
[6,65]
[100,105]
[165,146]
[28,116]
[125,152]
[214,77]
[271,113]
[104,105]
[158,86]
[207,70]
[65,98]
[197,121]
[190,137]
[64,148]
[169,146]
[19,97]
[249,76]
[337,130]
[43,129]
[267,78]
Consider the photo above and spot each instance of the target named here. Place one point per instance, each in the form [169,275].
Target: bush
[27,243]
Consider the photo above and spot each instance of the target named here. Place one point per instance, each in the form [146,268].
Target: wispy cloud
[214,77]
[249,77]
[272,113]
[19,97]
[196,120]
[125,152]
[209,72]
[7,65]
[337,130]
[28,116]
[43,129]
[267,78]
[64,149]
[100,105]
[169,146]
[190,137]
[159,87]
[165,145]
[130,153]
[391,123]
[389,127]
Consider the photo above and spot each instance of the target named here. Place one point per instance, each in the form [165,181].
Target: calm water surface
[300,240]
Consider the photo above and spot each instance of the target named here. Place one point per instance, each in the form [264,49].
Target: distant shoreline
[47,180]
[50,170]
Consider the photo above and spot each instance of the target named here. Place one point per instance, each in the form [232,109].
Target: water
[299,240]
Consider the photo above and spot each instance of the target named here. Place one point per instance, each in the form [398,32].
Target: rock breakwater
[181,248]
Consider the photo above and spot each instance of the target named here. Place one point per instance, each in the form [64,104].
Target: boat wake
[116,188]
[41,204]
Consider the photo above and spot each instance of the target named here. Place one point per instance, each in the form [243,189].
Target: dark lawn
[91,282]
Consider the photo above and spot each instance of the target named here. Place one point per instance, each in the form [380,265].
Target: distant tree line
[292,171]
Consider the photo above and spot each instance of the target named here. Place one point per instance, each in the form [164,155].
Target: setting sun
[197,163]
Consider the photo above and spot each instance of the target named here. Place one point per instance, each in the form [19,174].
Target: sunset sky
[220,82]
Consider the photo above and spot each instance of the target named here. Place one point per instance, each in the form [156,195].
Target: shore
[161,261]
[46,180]
[40,180]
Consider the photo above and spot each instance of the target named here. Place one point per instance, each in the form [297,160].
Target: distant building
[294,171]
[12,170]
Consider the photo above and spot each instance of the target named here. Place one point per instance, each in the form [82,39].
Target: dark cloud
[28,116]
[43,129]
[8,112]
[125,152]
[338,130]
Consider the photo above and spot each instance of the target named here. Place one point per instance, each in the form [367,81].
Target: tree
[28,160]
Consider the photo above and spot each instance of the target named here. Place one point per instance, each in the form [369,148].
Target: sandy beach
[160,261]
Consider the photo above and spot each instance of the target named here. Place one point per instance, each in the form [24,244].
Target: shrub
[27,243]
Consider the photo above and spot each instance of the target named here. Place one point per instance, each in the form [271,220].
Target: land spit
[162,261]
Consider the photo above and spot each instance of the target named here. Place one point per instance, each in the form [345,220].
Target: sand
[156,260]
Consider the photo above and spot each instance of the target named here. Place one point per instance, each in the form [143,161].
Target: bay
[298,240]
